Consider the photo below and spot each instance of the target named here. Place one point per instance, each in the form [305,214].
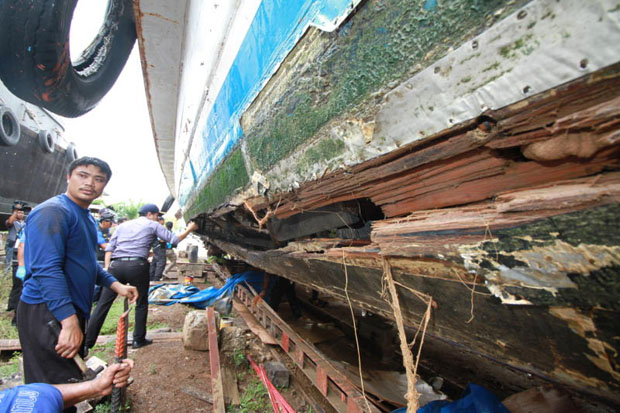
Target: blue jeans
[9,248]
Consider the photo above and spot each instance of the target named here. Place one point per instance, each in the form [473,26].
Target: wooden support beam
[217,388]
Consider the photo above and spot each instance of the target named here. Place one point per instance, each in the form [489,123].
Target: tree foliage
[128,209]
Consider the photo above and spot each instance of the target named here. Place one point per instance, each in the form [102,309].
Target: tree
[127,209]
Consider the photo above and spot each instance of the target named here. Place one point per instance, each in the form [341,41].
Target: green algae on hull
[230,176]
[380,44]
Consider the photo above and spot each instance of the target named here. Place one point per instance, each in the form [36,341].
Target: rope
[412,394]
[471,309]
[357,343]
[263,220]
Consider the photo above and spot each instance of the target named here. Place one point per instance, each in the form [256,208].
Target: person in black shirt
[159,256]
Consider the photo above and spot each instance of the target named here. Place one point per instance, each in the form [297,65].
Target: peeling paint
[505,296]
[547,266]
[584,327]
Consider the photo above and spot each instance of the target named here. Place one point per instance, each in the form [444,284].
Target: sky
[118,129]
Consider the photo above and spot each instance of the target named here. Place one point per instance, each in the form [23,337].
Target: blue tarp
[476,399]
[200,298]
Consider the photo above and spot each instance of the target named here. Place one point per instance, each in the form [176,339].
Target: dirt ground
[163,369]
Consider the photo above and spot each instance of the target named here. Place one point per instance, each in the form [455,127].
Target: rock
[278,374]
[195,333]
[232,339]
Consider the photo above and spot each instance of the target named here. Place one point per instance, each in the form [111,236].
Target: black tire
[46,141]
[10,130]
[167,203]
[36,63]
[71,152]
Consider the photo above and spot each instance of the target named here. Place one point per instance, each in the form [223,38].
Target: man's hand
[116,375]
[192,226]
[70,337]
[128,291]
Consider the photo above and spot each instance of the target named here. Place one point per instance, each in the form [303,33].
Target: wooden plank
[217,389]
[458,187]
[509,209]
[199,394]
[229,382]
[10,345]
[14,344]
[253,324]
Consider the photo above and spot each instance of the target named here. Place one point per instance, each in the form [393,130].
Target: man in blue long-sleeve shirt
[62,270]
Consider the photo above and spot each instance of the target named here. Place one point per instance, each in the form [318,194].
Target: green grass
[254,399]
[104,352]
[111,321]
[7,331]
[105,407]
[239,357]
[10,367]
[109,326]
[154,325]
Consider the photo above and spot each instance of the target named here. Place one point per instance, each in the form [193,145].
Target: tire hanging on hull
[47,141]
[10,130]
[36,64]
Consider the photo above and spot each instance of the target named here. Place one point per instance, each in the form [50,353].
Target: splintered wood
[568,133]
[443,230]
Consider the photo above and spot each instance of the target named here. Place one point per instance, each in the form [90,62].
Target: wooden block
[199,394]
[231,391]
[217,390]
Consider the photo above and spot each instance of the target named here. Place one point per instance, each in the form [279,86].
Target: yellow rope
[357,343]
[412,394]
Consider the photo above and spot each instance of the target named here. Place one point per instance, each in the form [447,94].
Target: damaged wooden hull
[469,149]
[528,278]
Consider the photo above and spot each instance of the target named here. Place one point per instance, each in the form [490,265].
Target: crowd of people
[63,260]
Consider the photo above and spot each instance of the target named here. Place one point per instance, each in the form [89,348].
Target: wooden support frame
[340,393]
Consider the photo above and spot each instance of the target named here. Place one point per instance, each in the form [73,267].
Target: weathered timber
[512,334]
[217,390]
[509,222]
[225,228]
[229,383]
[312,222]
[253,324]
[508,209]
[582,110]
[199,394]
[555,246]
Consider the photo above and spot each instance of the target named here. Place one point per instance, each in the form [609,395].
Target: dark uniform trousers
[158,264]
[134,273]
[41,362]
[16,289]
